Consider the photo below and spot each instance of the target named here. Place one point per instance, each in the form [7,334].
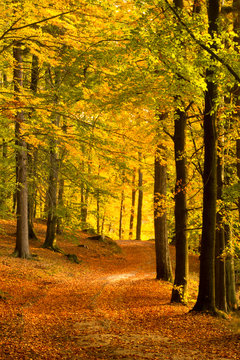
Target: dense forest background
[123,117]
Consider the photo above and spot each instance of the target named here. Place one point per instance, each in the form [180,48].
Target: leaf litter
[107,307]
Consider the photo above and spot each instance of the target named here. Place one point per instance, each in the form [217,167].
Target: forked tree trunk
[22,242]
[163,264]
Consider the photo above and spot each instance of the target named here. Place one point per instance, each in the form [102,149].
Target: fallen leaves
[108,307]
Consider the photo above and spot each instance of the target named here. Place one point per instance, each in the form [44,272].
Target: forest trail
[107,307]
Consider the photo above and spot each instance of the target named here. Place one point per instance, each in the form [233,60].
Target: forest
[120,120]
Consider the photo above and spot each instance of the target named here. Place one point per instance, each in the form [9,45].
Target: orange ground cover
[107,307]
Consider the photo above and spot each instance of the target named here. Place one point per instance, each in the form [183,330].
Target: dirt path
[109,307]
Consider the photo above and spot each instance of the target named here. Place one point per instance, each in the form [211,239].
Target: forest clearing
[107,307]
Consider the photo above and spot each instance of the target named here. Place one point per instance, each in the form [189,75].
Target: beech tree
[163,263]
[206,294]
[22,243]
[179,292]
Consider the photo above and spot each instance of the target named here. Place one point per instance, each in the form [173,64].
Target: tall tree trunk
[32,162]
[179,292]
[32,157]
[121,215]
[22,242]
[220,268]
[140,202]
[132,205]
[206,291]
[50,240]
[163,265]
[206,294]
[84,197]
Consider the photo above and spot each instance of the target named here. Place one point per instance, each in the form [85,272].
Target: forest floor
[107,307]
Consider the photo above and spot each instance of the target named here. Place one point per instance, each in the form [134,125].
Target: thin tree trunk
[163,265]
[32,161]
[179,292]
[238,171]
[32,157]
[220,268]
[59,229]
[121,215]
[232,303]
[98,211]
[50,240]
[132,205]
[22,242]
[140,203]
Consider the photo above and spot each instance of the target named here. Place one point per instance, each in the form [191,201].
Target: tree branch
[202,45]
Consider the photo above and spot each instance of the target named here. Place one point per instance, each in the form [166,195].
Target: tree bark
[22,242]
[121,215]
[140,202]
[59,229]
[206,291]
[163,264]
[98,210]
[220,268]
[132,205]
[238,171]
[179,292]
[232,303]
[50,240]
[32,157]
